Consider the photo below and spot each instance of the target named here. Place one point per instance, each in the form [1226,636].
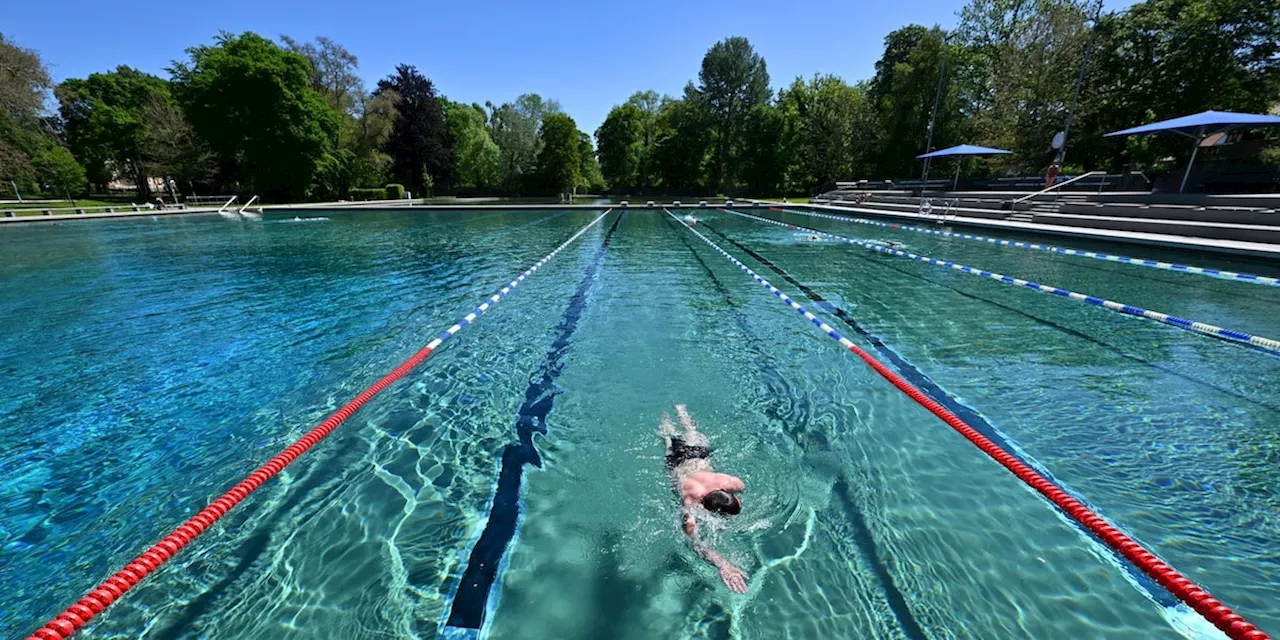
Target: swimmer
[690,219]
[702,490]
[892,244]
[813,238]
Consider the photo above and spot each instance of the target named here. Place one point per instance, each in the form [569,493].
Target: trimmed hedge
[395,191]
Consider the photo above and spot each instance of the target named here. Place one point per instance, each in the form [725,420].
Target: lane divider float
[1213,610]
[1154,264]
[1230,335]
[111,589]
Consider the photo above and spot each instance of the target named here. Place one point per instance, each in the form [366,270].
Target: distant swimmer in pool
[892,244]
[702,489]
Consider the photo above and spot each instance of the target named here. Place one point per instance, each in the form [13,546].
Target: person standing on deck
[700,487]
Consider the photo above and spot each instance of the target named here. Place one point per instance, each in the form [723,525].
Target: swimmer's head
[722,502]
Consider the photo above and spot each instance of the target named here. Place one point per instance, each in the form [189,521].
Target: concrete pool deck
[1215,245]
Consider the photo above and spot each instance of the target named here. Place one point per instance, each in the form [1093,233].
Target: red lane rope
[93,603]
[79,614]
[1222,617]
[1213,610]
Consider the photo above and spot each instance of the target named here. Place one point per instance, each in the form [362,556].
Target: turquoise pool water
[153,363]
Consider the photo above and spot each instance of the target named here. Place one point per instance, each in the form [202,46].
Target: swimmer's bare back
[701,487]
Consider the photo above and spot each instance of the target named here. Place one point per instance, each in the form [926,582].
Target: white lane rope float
[1154,264]
[1230,335]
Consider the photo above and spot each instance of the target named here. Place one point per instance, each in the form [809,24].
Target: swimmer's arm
[732,576]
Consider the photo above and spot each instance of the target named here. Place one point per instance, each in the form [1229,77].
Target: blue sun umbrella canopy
[1199,126]
[964,150]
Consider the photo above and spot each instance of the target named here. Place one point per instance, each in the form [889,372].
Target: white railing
[246,205]
[1059,186]
[60,211]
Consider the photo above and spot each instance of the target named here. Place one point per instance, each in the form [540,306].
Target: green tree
[835,130]
[1023,56]
[170,147]
[733,79]
[103,117]
[590,177]
[560,159]
[621,142]
[515,127]
[479,159]
[58,172]
[420,147]
[252,102]
[681,144]
[24,84]
[333,72]
[650,104]
[903,92]
[766,152]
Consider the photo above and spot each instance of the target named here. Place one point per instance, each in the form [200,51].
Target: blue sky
[588,54]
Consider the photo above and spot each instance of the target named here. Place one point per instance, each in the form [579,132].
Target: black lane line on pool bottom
[930,388]
[863,539]
[471,600]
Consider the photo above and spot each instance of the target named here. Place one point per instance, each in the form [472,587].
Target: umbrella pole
[955,184]
[1186,175]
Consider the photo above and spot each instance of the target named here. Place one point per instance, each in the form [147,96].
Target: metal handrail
[246,205]
[1058,186]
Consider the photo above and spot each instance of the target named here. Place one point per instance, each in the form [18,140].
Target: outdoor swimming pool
[154,363]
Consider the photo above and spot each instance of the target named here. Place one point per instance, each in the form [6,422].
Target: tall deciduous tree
[903,91]
[104,120]
[420,147]
[333,72]
[560,159]
[479,159]
[589,175]
[253,103]
[681,143]
[732,80]
[650,104]
[621,142]
[24,84]
[514,127]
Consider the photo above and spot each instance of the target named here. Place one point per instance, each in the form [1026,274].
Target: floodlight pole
[933,119]
[1075,96]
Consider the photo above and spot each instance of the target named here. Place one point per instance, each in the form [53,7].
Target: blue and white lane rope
[479,311]
[1230,335]
[1154,264]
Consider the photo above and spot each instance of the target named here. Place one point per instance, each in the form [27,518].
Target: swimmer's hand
[733,577]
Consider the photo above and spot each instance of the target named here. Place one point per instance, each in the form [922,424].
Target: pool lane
[1169,437]
[601,555]
[471,599]
[328,305]
[1237,305]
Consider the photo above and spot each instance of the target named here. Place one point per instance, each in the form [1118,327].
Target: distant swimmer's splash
[689,218]
[702,490]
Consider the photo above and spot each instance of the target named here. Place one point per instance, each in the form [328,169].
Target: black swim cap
[722,502]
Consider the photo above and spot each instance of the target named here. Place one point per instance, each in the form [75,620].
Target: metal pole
[956,183]
[1075,96]
[15,190]
[1183,186]
[933,119]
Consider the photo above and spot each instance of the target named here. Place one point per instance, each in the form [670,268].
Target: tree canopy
[560,159]
[294,120]
[253,103]
[420,146]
